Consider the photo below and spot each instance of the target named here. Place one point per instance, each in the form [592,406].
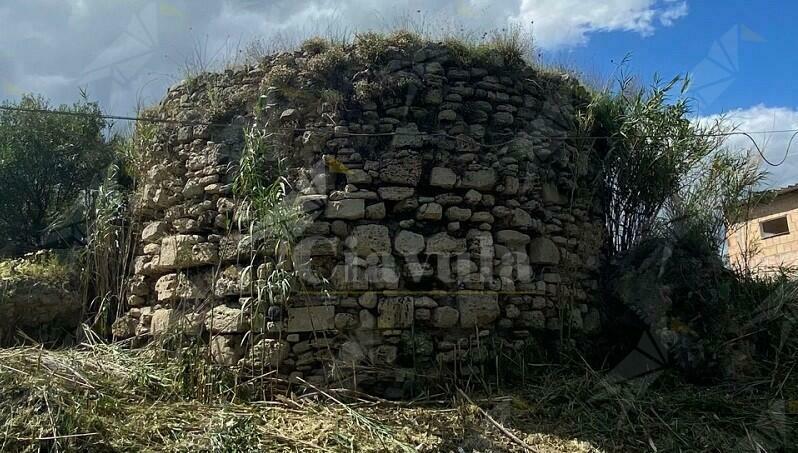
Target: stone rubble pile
[447,216]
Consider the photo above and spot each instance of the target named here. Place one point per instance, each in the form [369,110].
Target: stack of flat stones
[444,220]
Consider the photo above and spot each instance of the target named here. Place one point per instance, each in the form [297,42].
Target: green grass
[46,269]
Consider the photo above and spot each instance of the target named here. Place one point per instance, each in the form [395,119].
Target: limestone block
[445,317]
[357,177]
[267,353]
[368,300]
[224,319]
[339,228]
[416,271]
[172,321]
[317,246]
[225,349]
[138,286]
[124,327]
[152,249]
[481,217]
[408,243]
[370,239]
[173,287]
[348,277]
[395,193]
[472,197]
[407,137]
[233,281]
[534,319]
[310,203]
[395,312]
[404,171]
[478,309]
[425,302]
[512,311]
[345,321]
[384,354]
[443,244]
[447,115]
[430,211]
[367,320]
[351,352]
[457,214]
[309,319]
[511,185]
[382,277]
[348,209]
[503,118]
[154,231]
[512,238]
[543,251]
[465,267]
[442,177]
[520,219]
[136,301]
[482,180]
[376,211]
[160,322]
[183,251]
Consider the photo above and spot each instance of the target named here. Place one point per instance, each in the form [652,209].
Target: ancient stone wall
[449,210]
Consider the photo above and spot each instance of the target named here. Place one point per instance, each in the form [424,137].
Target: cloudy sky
[128,52]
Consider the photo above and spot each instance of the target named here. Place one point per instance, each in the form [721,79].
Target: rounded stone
[409,243]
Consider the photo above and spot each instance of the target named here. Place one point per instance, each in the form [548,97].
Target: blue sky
[128,52]
[756,44]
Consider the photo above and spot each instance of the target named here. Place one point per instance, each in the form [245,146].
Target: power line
[108,117]
[747,134]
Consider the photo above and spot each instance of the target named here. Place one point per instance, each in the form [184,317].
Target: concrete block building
[768,239]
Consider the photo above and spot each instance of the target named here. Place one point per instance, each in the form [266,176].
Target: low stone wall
[34,304]
[450,217]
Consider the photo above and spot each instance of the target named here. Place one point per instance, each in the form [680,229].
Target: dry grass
[105,398]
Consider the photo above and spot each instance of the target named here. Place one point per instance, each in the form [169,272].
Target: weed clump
[43,267]
[315,46]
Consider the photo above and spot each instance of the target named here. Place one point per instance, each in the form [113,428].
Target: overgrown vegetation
[46,161]
[104,398]
[108,251]
[671,192]
[660,168]
[48,268]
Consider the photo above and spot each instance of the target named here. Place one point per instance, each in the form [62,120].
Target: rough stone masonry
[449,216]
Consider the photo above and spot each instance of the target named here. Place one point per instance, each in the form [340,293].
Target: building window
[774,227]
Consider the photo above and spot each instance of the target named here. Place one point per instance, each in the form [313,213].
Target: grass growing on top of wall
[49,269]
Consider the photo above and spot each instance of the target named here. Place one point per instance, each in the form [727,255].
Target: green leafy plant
[46,161]
[109,250]
[648,148]
[48,268]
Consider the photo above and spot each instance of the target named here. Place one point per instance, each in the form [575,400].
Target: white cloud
[124,51]
[761,118]
[562,23]
[674,12]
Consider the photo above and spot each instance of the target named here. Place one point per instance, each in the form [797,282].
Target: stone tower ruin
[448,214]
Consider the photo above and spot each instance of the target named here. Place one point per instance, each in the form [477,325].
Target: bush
[671,193]
[46,161]
[648,148]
